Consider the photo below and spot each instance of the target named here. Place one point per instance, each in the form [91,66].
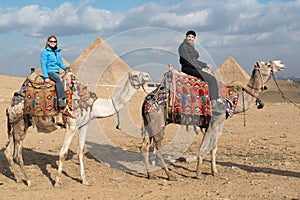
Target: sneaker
[61,103]
[217,107]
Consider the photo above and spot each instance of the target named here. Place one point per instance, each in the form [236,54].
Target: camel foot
[198,177]
[85,182]
[214,173]
[58,183]
[28,183]
[152,176]
[171,176]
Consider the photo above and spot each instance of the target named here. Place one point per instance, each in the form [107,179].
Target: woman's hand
[69,69]
[47,80]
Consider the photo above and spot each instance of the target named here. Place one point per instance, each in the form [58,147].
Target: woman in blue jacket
[51,62]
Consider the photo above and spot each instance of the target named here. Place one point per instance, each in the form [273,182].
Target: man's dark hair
[190,32]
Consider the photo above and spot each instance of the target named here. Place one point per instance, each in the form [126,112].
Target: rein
[263,87]
[282,94]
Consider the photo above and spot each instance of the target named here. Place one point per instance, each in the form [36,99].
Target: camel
[155,120]
[100,108]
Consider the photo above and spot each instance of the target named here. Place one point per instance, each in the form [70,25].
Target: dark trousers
[60,90]
[211,80]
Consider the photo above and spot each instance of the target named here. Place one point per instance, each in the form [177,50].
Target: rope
[244,110]
[118,115]
[282,94]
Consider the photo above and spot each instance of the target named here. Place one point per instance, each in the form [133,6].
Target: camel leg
[214,170]
[209,143]
[9,156]
[81,141]
[20,162]
[157,144]
[13,152]
[70,131]
[145,149]
[170,175]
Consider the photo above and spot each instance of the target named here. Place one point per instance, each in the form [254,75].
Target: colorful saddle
[185,95]
[40,98]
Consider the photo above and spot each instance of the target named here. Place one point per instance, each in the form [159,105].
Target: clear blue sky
[249,31]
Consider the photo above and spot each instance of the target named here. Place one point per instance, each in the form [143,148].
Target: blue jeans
[60,90]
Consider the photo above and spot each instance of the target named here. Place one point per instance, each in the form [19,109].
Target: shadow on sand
[31,157]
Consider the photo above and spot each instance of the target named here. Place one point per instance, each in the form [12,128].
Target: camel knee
[145,146]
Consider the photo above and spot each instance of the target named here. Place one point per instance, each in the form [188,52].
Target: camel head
[138,79]
[267,68]
[262,73]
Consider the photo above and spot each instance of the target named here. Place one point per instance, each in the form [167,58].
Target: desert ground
[258,157]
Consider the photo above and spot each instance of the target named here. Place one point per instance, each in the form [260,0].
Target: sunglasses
[51,41]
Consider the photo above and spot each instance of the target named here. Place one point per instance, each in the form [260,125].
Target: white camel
[18,125]
[155,121]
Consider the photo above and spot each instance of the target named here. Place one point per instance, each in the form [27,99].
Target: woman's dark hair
[49,37]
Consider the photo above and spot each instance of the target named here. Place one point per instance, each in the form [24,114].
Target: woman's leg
[60,90]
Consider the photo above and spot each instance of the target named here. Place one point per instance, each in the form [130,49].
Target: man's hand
[47,80]
[208,69]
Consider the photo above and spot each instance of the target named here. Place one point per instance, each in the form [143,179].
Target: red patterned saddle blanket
[191,96]
[187,95]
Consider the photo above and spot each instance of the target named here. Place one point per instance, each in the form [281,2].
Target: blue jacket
[51,61]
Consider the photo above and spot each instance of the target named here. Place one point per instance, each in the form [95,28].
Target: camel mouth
[279,65]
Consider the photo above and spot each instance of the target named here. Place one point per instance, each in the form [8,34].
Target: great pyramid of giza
[230,71]
[99,64]
[99,68]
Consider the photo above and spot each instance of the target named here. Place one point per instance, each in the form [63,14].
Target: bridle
[139,80]
[258,101]
[263,87]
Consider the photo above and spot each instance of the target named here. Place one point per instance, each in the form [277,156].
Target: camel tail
[8,123]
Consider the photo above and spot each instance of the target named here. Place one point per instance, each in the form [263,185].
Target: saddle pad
[190,95]
[232,98]
[40,98]
[79,98]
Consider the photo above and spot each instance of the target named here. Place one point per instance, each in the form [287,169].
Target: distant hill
[290,90]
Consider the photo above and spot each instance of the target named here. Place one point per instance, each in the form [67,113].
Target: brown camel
[18,122]
[156,119]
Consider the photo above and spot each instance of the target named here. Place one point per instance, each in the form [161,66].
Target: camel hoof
[29,184]
[85,182]
[152,177]
[215,173]
[58,184]
[172,178]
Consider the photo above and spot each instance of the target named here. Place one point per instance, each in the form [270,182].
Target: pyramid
[230,71]
[99,65]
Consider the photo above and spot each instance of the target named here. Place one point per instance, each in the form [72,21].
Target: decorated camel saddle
[38,99]
[186,96]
